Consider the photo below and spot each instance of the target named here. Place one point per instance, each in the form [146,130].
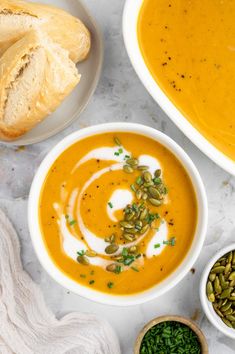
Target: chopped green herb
[110,205]
[170,242]
[135,269]
[91,282]
[170,337]
[110,285]
[116,153]
[151,217]
[157,245]
[72,222]
[81,253]
[120,151]
[127,157]
[118,269]
[124,252]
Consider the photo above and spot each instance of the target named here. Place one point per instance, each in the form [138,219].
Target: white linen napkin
[27,326]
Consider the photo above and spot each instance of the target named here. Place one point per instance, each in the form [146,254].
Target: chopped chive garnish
[124,252]
[135,269]
[118,269]
[157,245]
[120,151]
[170,242]
[110,205]
[81,253]
[72,222]
[127,157]
[91,282]
[116,153]
[110,285]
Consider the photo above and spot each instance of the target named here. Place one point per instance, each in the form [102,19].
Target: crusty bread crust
[18,17]
[33,58]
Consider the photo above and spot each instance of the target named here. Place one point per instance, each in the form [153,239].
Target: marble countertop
[120,96]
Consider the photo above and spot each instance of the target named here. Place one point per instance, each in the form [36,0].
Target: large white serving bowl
[130,18]
[36,235]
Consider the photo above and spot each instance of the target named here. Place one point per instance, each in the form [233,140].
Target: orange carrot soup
[118,212]
[189,48]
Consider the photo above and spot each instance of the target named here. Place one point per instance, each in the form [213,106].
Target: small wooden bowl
[186,321]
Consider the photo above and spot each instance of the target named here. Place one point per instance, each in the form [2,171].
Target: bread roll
[18,17]
[35,76]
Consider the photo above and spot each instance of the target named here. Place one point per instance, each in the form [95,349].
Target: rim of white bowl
[206,304]
[129,24]
[105,298]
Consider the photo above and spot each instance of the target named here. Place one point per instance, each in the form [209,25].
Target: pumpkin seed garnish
[111,248]
[128,169]
[83,260]
[220,288]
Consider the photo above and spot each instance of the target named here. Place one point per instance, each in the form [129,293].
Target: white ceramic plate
[35,230]
[90,69]
[130,17]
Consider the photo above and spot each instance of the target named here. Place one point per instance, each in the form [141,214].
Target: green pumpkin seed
[147,176]
[83,260]
[144,229]
[226,293]
[232,276]
[209,288]
[148,184]
[130,216]
[157,173]
[230,318]
[139,194]
[132,162]
[216,265]
[224,302]
[131,231]
[233,260]
[128,169]
[226,306]
[142,168]
[211,297]
[230,257]
[128,237]
[111,248]
[143,214]
[155,202]
[132,249]
[218,311]
[212,277]
[227,268]
[90,253]
[112,267]
[117,141]
[219,269]
[227,322]
[127,225]
[228,312]
[154,193]
[224,284]
[217,286]
[145,196]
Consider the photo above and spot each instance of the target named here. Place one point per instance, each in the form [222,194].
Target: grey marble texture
[120,96]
